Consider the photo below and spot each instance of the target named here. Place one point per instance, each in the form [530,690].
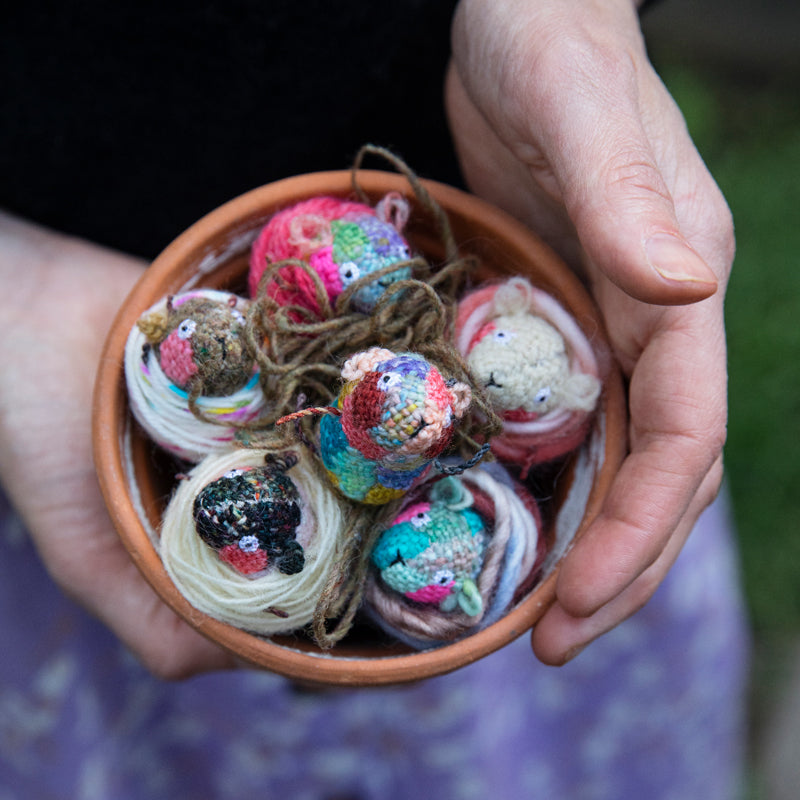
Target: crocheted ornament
[249,517]
[191,379]
[433,553]
[394,415]
[458,554]
[286,523]
[341,241]
[536,366]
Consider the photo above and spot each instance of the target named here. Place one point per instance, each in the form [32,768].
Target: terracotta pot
[214,252]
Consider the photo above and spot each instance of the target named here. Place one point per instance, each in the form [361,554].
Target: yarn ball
[250,516]
[192,347]
[536,366]
[396,414]
[460,552]
[282,596]
[341,241]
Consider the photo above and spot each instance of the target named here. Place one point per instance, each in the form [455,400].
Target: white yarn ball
[216,588]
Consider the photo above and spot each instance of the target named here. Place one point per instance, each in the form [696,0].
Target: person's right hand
[58,299]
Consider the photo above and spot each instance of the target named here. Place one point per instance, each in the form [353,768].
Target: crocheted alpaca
[536,367]
[433,552]
[201,345]
[341,241]
[396,414]
[250,516]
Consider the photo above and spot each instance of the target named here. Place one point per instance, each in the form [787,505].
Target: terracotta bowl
[136,478]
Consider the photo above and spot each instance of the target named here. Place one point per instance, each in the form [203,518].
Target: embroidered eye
[504,337]
[420,520]
[543,395]
[443,576]
[248,544]
[349,272]
[186,328]
[389,379]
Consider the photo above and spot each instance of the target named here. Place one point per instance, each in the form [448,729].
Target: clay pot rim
[199,244]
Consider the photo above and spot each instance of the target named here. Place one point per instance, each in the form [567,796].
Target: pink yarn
[294,233]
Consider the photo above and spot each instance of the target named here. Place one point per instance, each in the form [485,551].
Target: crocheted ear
[153,326]
[394,210]
[513,297]
[580,392]
[358,365]
[462,397]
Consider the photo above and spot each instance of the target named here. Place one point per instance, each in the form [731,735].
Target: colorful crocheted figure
[536,366]
[249,517]
[341,241]
[396,414]
[433,553]
[201,345]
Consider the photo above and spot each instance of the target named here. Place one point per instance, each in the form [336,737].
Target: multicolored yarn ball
[302,540]
[394,415]
[250,517]
[191,379]
[455,558]
[536,366]
[341,241]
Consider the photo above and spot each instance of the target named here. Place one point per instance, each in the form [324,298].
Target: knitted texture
[308,524]
[250,516]
[395,414]
[536,367]
[457,556]
[342,241]
[198,337]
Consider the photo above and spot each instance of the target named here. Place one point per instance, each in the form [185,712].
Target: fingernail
[573,653]
[674,260]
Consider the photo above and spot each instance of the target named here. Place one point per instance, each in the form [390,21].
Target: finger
[560,636]
[678,412]
[612,183]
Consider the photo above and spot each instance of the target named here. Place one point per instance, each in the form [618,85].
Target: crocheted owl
[432,554]
[395,415]
[249,517]
[341,241]
[200,344]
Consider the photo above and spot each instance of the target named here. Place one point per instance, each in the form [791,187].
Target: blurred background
[734,68]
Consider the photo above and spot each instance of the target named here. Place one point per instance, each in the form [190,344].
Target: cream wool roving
[537,368]
[288,547]
[191,379]
[455,557]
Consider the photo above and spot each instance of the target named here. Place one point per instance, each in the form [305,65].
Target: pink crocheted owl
[341,241]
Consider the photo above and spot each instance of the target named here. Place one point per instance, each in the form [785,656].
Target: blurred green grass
[748,131]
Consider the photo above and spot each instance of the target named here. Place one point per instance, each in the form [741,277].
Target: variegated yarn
[393,416]
[513,550]
[187,424]
[267,602]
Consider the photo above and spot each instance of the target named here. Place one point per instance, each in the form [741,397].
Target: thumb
[623,211]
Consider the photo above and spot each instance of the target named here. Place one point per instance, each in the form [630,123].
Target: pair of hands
[557,117]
